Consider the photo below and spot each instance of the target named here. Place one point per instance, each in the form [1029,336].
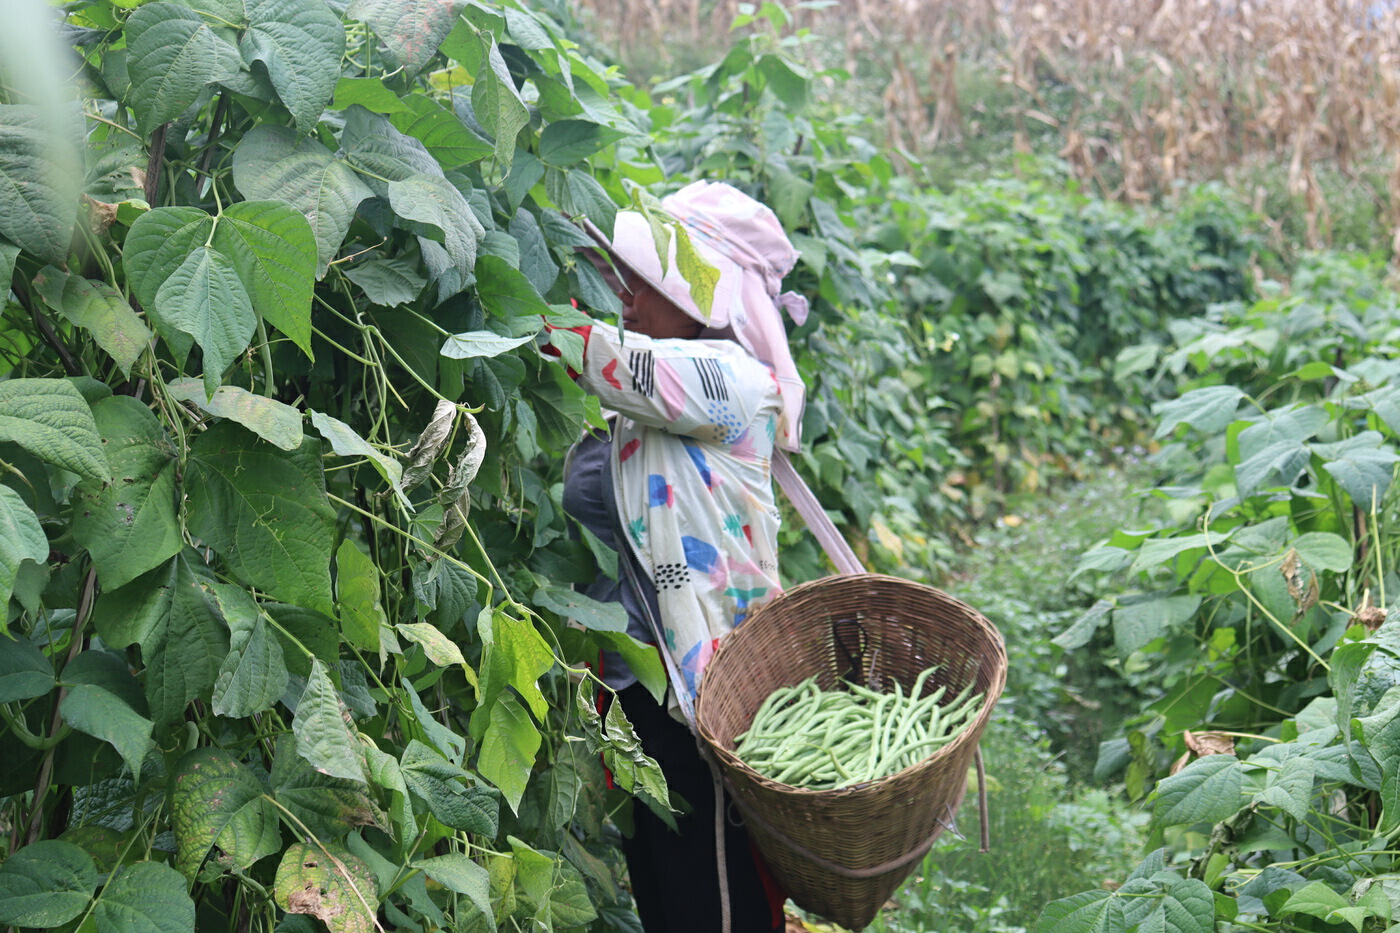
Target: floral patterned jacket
[691,465]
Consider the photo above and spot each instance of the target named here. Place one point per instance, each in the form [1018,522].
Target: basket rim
[971,734]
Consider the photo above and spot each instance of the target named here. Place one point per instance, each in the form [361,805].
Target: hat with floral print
[743,240]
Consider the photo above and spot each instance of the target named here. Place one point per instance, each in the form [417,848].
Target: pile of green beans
[804,736]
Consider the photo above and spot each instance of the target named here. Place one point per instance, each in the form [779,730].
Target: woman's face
[647,311]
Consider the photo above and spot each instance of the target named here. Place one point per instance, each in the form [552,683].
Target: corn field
[1135,95]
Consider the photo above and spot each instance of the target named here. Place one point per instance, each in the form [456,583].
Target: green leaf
[1137,623]
[452,746]
[508,749]
[1276,465]
[9,252]
[300,42]
[433,201]
[1157,551]
[441,132]
[387,282]
[96,712]
[482,343]
[273,421]
[357,594]
[1187,906]
[1381,733]
[330,883]
[253,676]
[51,419]
[506,292]
[439,784]
[497,103]
[217,801]
[1316,899]
[1323,550]
[372,145]
[565,142]
[38,203]
[591,614]
[1362,465]
[272,163]
[21,538]
[515,655]
[1210,410]
[1290,788]
[173,55]
[411,30]
[370,93]
[323,737]
[145,898]
[25,672]
[171,613]
[206,299]
[99,309]
[273,248]
[329,807]
[1082,631]
[1206,791]
[45,884]
[265,511]
[456,872]
[1090,912]
[130,525]
[158,242]
[554,887]
[440,649]
[346,443]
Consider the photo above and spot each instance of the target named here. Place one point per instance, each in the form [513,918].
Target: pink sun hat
[744,240]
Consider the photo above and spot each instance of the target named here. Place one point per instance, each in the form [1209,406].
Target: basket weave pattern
[841,853]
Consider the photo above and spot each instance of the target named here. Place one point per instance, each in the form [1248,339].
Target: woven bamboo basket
[840,854]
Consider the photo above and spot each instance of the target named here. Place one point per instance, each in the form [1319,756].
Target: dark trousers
[674,878]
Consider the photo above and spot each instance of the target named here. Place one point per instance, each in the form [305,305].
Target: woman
[702,402]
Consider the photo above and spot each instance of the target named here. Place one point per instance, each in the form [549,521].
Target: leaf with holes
[145,898]
[51,419]
[329,883]
[300,42]
[173,55]
[265,511]
[130,525]
[216,801]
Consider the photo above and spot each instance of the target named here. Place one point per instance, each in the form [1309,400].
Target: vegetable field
[290,638]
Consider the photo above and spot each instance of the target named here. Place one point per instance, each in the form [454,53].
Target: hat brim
[632,245]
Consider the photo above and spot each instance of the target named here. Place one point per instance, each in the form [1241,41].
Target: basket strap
[899,861]
[814,515]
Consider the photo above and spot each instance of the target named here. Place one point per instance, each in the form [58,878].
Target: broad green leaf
[433,201]
[25,672]
[51,419]
[387,282]
[38,201]
[508,749]
[371,93]
[1206,791]
[438,783]
[1079,634]
[587,197]
[273,248]
[1090,912]
[565,142]
[273,421]
[9,252]
[216,801]
[1318,900]
[99,309]
[515,655]
[323,737]
[145,898]
[591,614]
[1362,465]
[346,443]
[481,343]
[1108,559]
[357,594]
[1278,464]
[1210,410]
[697,271]
[635,770]
[265,511]
[1323,550]
[411,30]
[1291,787]
[1381,734]
[253,676]
[452,746]
[172,614]
[440,649]
[330,807]
[788,195]
[272,163]
[506,292]
[373,146]
[497,103]
[554,887]
[132,524]
[96,712]
[1157,551]
[330,883]
[300,42]
[1187,906]
[1137,623]
[206,299]
[447,591]
[643,660]
[441,132]
[173,55]
[21,538]
[158,242]
[456,872]
[1292,426]
[45,884]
